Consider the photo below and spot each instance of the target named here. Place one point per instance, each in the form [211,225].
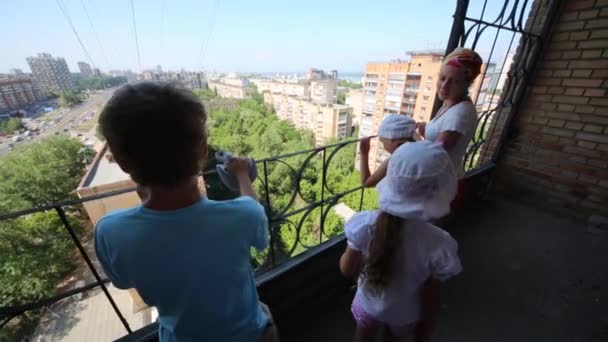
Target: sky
[232,35]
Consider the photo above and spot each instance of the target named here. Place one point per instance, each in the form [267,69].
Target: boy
[185,254]
[395,130]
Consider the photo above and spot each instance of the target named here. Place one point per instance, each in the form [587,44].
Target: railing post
[323,183]
[268,213]
[86,258]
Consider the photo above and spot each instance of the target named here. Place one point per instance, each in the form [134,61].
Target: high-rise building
[18,92]
[189,79]
[325,121]
[324,91]
[354,98]
[51,73]
[299,89]
[401,87]
[85,70]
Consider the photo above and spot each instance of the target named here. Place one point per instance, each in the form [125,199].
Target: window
[423,109]
[427,89]
[429,78]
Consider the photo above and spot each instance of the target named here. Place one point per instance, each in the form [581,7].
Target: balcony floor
[528,276]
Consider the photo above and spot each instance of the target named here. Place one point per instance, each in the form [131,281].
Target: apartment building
[189,79]
[51,73]
[324,91]
[325,121]
[401,87]
[18,92]
[354,99]
[85,70]
[230,91]
[299,89]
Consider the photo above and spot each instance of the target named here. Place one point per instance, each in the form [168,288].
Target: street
[77,121]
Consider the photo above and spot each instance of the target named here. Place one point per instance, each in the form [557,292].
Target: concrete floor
[528,276]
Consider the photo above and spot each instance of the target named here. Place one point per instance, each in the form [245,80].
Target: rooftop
[102,171]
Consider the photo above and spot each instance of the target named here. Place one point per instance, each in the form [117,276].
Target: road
[68,120]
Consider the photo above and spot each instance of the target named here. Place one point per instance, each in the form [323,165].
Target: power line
[105,58]
[135,31]
[211,27]
[69,20]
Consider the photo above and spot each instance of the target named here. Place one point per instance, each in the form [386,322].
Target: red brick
[602,120]
[589,14]
[581,73]
[580,35]
[555,64]
[571,54]
[574,91]
[586,144]
[557,131]
[601,3]
[600,73]
[579,4]
[595,92]
[565,107]
[539,90]
[599,34]
[570,99]
[553,55]
[594,206]
[577,159]
[556,91]
[591,64]
[548,106]
[602,147]
[590,44]
[585,109]
[599,101]
[582,82]
[549,81]
[591,137]
[604,12]
[562,73]
[566,45]
[557,123]
[568,16]
[565,116]
[566,142]
[597,23]
[570,26]
[593,128]
[574,125]
[543,73]
[581,151]
[561,36]
[598,163]
[592,53]
[540,121]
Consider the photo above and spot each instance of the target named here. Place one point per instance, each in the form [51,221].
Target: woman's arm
[351,262]
[376,177]
[449,138]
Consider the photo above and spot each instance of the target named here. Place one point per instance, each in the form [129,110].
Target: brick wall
[557,150]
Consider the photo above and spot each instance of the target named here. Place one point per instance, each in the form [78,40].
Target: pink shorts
[365,320]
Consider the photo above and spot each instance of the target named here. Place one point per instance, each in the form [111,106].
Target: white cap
[397,126]
[420,182]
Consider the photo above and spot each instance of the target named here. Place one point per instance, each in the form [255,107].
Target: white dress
[461,118]
[426,251]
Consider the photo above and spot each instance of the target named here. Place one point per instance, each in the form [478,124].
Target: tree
[349,84]
[11,125]
[205,94]
[100,82]
[69,99]
[341,98]
[42,173]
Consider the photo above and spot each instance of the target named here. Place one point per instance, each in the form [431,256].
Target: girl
[455,122]
[401,257]
[395,130]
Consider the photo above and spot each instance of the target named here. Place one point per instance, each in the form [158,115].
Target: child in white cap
[400,257]
[395,130]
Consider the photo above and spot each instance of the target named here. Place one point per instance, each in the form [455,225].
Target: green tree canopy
[11,125]
[99,82]
[69,99]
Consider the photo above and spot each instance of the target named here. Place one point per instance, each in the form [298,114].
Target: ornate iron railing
[307,189]
[489,33]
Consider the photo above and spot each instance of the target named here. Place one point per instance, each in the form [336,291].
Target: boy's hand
[238,167]
[364,145]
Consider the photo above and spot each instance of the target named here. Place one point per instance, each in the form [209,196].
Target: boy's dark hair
[156,130]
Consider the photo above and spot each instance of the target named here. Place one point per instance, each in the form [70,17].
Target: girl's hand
[421,127]
[364,145]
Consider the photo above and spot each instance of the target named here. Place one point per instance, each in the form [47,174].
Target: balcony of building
[530,234]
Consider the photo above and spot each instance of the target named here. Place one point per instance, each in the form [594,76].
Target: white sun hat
[397,126]
[420,182]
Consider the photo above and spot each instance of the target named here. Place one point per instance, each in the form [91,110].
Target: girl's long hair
[378,267]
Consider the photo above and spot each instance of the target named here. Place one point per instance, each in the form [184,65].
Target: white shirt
[461,118]
[426,251]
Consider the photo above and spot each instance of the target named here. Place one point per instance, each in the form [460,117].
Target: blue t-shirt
[192,264]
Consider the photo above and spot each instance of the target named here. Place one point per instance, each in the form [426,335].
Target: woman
[455,122]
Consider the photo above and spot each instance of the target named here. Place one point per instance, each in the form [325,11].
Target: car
[56,133]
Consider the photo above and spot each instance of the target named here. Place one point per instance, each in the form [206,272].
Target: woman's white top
[461,118]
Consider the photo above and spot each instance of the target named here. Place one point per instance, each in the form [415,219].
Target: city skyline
[224,36]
